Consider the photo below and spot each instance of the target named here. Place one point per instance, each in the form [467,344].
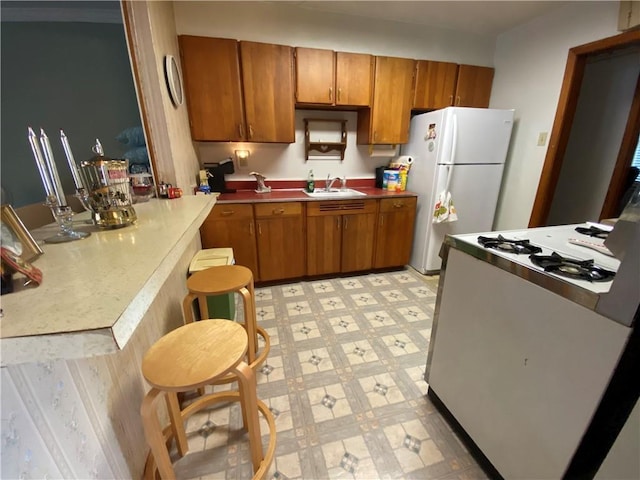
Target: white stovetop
[553,239]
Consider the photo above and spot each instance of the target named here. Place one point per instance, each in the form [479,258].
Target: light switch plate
[542,139]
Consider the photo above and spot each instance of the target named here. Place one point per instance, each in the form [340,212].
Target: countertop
[297,195]
[95,291]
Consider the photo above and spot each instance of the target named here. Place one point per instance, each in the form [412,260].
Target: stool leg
[250,323]
[204,307]
[153,434]
[177,425]
[249,405]
[187,308]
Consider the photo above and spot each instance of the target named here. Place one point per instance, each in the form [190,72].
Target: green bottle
[310,182]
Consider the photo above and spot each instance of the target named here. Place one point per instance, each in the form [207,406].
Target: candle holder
[64,218]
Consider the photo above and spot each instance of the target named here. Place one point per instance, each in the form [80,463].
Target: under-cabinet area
[293,239]
[248,91]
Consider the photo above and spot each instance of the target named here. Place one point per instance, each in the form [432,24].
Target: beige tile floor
[344,381]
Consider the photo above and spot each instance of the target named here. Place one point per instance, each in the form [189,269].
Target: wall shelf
[325,136]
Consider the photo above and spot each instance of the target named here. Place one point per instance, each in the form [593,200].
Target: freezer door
[475,135]
[474,191]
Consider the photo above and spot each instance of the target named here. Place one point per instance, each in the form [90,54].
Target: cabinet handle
[381,220]
[450,99]
[375,135]
[345,222]
[241,130]
[279,211]
[250,131]
[458,100]
[338,223]
[259,229]
[330,93]
[226,213]
[339,93]
[251,228]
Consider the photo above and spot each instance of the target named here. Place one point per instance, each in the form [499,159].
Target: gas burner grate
[508,245]
[593,232]
[572,268]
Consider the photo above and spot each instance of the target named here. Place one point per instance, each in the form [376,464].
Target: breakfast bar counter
[95,291]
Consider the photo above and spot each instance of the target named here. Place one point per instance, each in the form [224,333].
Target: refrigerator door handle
[454,142]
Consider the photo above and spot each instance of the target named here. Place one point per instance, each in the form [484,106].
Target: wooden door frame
[565,113]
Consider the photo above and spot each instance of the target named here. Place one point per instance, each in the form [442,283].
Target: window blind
[636,159]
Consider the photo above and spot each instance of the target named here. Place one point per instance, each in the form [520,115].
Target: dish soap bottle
[310,182]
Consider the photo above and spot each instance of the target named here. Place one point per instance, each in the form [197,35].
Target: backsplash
[287,161]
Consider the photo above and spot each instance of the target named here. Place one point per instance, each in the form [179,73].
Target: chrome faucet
[330,181]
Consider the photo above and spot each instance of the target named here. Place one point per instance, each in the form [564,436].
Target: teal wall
[71,76]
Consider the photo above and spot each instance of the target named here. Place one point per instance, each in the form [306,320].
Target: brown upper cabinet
[267,78]
[387,121]
[211,71]
[435,84]
[473,88]
[238,91]
[444,84]
[325,77]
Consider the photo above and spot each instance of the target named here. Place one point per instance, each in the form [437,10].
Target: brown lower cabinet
[232,225]
[340,235]
[281,239]
[394,232]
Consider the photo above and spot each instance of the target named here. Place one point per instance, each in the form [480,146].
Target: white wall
[289,24]
[530,62]
[596,134]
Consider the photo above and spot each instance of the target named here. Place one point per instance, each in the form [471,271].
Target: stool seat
[193,356]
[183,359]
[219,280]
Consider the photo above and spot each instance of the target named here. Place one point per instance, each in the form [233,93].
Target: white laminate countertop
[95,291]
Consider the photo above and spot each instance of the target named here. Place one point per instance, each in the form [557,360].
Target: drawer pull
[226,213]
[278,211]
[398,205]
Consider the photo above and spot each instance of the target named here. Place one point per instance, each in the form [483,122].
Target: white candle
[53,171]
[42,168]
[72,163]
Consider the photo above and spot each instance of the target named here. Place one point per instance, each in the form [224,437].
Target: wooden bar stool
[190,357]
[221,280]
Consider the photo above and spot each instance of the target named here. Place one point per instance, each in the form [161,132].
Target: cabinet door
[354,79]
[394,235]
[357,241]
[388,120]
[323,244]
[315,73]
[232,225]
[473,88]
[267,78]
[281,240]
[435,84]
[211,71]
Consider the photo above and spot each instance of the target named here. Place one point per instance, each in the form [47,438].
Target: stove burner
[572,268]
[593,232]
[508,245]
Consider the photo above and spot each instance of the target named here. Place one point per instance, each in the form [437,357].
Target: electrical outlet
[542,139]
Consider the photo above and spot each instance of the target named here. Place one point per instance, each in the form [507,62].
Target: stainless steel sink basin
[333,193]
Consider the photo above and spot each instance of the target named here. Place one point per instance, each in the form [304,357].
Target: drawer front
[396,204]
[279,209]
[341,207]
[231,210]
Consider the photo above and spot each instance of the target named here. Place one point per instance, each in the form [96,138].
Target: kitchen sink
[333,193]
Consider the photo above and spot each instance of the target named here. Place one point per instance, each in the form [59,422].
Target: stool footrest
[150,469]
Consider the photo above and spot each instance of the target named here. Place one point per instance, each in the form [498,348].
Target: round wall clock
[174,80]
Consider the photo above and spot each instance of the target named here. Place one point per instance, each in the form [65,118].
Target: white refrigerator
[461,151]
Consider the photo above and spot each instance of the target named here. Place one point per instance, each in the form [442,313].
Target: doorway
[566,115]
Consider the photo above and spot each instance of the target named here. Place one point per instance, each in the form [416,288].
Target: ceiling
[484,18]
[481,17]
